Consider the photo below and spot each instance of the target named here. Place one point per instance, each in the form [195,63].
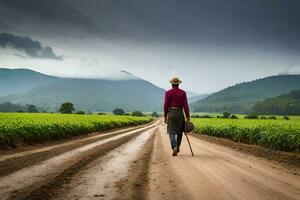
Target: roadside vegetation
[29,128]
[280,134]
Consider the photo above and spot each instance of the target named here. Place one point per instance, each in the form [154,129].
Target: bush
[195,116]
[80,112]
[263,117]
[155,114]
[137,114]
[127,114]
[233,117]
[286,117]
[253,116]
[118,111]
[272,117]
[226,115]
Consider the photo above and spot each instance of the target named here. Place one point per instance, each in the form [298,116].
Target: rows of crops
[274,134]
[18,128]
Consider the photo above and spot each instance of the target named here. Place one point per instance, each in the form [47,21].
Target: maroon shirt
[176,97]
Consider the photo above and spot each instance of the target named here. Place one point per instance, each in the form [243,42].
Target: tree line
[65,108]
[10,107]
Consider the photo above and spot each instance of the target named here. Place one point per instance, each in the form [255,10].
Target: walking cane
[189,144]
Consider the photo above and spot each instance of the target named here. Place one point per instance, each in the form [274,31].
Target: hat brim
[175,83]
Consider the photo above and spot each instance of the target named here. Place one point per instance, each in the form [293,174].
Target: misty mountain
[22,80]
[86,94]
[198,97]
[241,97]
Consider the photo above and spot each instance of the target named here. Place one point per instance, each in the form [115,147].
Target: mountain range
[240,98]
[23,86]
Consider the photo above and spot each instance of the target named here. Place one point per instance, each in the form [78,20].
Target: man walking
[175,103]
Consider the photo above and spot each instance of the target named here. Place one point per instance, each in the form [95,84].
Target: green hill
[90,94]
[241,97]
[287,104]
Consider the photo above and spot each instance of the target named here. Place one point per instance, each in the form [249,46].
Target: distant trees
[66,108]
[10,107]
[118,111]
[137,114]
[32,109]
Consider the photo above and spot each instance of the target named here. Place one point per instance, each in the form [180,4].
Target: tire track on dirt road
[14,161]
[98,180]
[26,181]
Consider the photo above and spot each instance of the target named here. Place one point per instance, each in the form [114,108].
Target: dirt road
[136,163]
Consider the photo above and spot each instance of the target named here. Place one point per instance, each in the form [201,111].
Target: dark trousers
[175,140]
[175,126]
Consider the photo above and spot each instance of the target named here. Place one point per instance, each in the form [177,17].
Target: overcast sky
[209,44]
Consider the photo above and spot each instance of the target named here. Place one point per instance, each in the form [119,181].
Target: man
[175,103]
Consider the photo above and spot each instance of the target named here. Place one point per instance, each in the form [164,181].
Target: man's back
[176,97]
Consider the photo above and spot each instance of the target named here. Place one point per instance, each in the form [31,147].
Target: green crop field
[274,134]
[28,128]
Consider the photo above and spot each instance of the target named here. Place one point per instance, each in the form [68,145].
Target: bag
[188,127]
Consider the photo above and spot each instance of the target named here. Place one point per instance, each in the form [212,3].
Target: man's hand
[188,119]
[166,120]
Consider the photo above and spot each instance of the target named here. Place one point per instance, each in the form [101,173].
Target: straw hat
[188,127]
[175,81]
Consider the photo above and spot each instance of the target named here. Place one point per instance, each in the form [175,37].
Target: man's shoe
[174,152]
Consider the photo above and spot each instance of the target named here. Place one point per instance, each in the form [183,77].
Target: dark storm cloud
[258,23]
[230,22]
[57,11]
[31,48]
